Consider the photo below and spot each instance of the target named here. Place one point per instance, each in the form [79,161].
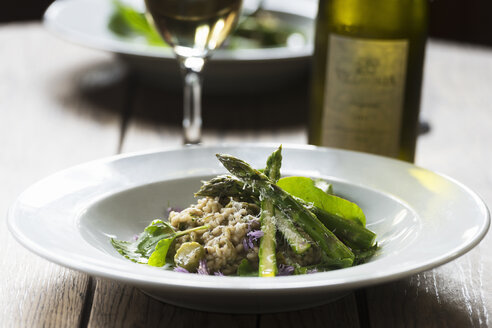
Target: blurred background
[460,20]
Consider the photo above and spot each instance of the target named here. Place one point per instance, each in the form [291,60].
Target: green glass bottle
[367,75]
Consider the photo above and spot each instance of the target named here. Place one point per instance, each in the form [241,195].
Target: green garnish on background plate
[262,29]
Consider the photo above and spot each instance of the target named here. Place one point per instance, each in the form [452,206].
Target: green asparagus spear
[267,266]
[353,234]
[274,162]
[228,186]
[361,256]
[326,240]
[296,241]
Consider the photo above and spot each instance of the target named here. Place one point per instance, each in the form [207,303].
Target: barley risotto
[255,223]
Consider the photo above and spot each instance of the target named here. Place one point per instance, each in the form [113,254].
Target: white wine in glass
[193,28]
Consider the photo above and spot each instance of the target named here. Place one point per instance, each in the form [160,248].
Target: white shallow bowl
[69,217]
[85,22]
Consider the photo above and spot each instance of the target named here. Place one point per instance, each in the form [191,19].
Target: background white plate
[86,22]
[422,220]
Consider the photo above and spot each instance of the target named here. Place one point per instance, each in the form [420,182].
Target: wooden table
[62,104]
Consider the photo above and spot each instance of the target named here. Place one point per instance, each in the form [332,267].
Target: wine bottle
[367,75]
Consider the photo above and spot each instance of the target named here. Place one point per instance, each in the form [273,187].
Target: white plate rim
[326,282]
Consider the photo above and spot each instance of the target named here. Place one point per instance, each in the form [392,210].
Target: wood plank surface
[120,305]
[255,117]
[341,313]
[45,125]
[457,104]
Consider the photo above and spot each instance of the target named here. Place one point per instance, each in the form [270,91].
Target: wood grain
[278,117]
[457,105]
[45,126]
[340,313]
[119,305]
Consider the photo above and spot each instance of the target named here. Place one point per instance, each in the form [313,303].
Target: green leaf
[245,269]
[306,189]
[159,227]
[155,232]
[152,244]
[141,249]
[128,250]
[127,22]
[257,31]
[158,257]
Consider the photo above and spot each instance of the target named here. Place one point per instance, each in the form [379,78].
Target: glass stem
[192,92]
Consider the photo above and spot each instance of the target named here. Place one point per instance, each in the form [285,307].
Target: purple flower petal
[285,270]
[252,236]
[202,267]
[218,273]
[312,271]
[180,269]
[245,245]
[255,234]
[250,243]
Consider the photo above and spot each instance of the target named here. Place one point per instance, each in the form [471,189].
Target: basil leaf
[155,232]
[128,250]
[141,249]
[127,22]
[158,257]
[306,189]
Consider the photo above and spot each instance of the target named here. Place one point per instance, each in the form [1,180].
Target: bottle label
[363,105]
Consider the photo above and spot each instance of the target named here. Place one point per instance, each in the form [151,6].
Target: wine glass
[194,29]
